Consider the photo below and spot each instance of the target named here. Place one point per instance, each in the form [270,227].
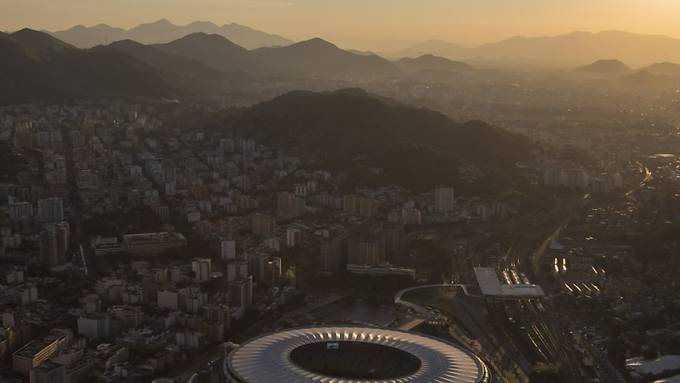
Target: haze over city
[379,25]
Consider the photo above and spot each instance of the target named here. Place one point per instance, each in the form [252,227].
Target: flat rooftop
[490,285]
[152,237]
[32,348]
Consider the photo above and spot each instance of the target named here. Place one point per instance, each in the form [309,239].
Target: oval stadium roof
[267,359]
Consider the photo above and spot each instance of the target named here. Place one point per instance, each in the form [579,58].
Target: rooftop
[491,285]
[34,347]
[353,354]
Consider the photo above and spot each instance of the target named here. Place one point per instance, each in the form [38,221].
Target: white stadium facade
[351,355]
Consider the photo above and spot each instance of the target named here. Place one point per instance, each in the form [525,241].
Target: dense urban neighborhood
[185,209]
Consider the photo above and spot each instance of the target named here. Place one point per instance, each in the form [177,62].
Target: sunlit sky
[363,24]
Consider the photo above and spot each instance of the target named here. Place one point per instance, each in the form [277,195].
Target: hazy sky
[363,24]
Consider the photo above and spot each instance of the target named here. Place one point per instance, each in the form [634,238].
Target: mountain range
[428,62]
[664,69]
[572,49]
[658,76]
[186,72]
[605,68]
[163,31]
[434,47]
[36,65]
[565,50]
[320,58]
[315,58]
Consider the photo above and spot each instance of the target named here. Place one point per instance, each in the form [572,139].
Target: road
[398,296]
[79,238]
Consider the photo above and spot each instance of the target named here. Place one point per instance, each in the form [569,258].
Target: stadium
[351,355]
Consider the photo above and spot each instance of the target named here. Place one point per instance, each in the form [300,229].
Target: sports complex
[352,355]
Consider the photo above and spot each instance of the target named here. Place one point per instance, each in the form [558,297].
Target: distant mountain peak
[33,33]
[164,31]
[316,42]
[430,56]
[126,42]
[437,42]
[39,43]
[429,61]
[665,68]
[161,22]
[434,47]
[213,38]
[203,23]
[606,67]
[201,35]
[579,47]
[38,66]
[609,63]
[26,30]
[580,33]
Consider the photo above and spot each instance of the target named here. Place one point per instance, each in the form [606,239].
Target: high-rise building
[26,294]
[227,250]
[48,372]
[301,190]
[367,250]
[236,270]
[289,206]
[37,352]
[128,316]
[54,242]
[265,267]
[334,253]
[367,207]
[192,299]
[216,320]
[168,299]
[350,203]
[357,204]
[241,293]
[444,200]
[217,313]
[394,237]
[20,210]
[293,236]
[576,178]
[247,145]
[263,225]
[553,177]
[202,268]
[51,210]
[411,216]
[94,326]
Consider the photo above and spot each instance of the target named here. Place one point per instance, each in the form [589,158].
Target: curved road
[398,297]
